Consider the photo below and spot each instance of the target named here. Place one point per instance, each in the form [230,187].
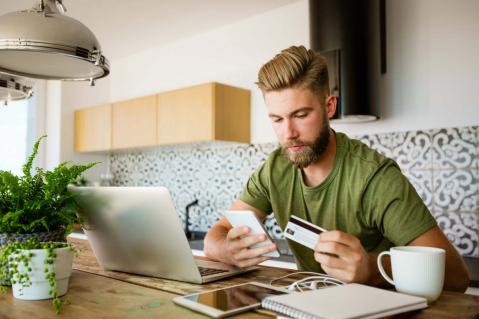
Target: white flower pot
[40,287]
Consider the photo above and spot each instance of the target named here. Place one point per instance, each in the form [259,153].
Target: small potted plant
[37,270]
[38,205]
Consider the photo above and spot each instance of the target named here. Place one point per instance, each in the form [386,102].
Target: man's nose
[290,130]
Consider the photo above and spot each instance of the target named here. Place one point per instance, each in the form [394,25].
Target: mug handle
[381,269]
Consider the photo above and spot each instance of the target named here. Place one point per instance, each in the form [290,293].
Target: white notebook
[346,301]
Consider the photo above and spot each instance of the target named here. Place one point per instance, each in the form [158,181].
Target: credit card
[302,232]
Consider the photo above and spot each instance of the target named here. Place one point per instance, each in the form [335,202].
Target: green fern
[38,202]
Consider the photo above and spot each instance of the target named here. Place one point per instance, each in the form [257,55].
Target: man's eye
[301,115]
[277,120]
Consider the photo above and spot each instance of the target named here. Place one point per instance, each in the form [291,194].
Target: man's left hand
[342,256]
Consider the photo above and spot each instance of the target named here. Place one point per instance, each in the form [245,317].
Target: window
[17,132]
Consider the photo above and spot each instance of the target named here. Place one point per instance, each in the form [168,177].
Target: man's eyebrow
[302,109]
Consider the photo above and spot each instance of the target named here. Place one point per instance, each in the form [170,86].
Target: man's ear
[331,104]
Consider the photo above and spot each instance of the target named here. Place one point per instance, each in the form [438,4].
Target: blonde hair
[296,67]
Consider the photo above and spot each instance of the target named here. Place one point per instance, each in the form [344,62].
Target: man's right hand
[232,245]
[239,247]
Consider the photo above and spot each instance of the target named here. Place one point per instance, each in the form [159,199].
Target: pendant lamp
[13,89]
[45,43]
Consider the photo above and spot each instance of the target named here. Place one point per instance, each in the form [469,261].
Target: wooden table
[96,293]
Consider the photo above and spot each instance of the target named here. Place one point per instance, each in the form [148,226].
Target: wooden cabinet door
[134,123]
[186,115]
[232,114]
[93,129]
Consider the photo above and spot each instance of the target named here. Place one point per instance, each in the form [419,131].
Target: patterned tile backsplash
[442,164]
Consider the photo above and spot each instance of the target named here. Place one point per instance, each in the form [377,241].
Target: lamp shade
[44,43]
[13,89]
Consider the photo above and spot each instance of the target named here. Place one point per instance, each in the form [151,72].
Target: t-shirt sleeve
[392,205]
[256,191]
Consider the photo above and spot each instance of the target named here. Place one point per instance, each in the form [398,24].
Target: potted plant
[37,270]
[36,214]
[38,205]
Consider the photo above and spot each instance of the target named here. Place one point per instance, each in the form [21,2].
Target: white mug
[416,270]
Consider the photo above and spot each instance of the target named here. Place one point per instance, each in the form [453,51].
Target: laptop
[137,230]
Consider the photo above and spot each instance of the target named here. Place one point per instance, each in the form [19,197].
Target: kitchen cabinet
[200,113]
[93,129]
[134,123]
[205,112]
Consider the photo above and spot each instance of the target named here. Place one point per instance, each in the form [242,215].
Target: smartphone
[228,301]
[248,218]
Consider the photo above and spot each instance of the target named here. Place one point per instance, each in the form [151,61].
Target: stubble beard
[311,152]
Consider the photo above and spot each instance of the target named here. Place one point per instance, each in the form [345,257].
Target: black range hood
[351,35]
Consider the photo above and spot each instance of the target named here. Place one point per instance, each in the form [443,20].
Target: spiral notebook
[346,301]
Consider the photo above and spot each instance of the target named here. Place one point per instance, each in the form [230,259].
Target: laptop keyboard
[210,271]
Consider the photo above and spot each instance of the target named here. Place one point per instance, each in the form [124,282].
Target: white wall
[433,67]
[431,79]
[76,95]
[53,109]
[432,51]
[47,100]
[232,54]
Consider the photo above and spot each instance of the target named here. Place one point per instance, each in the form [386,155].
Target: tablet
[225,302]
[248,218]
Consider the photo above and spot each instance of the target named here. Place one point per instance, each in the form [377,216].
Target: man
[337,183]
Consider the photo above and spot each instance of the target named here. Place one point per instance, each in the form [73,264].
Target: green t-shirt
[365,195]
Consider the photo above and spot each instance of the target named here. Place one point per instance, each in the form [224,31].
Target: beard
[311,152]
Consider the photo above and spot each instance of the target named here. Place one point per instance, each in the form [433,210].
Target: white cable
[309,282]
[298,273]
[321,278]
